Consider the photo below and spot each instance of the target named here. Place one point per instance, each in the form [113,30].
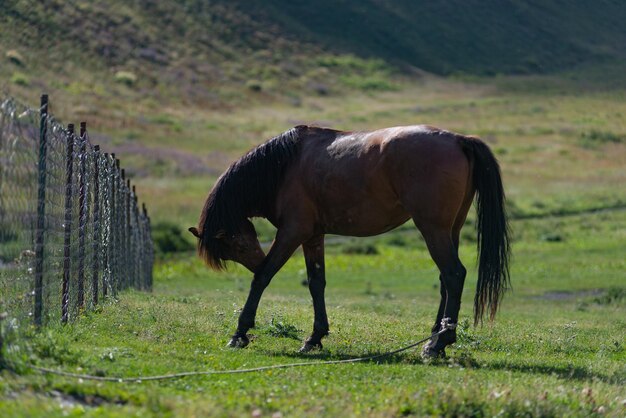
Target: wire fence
[71,230]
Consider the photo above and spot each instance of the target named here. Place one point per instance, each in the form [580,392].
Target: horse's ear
[194,231]
[220,234]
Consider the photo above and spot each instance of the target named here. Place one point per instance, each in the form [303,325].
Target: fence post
[41,209]
[107,247]
[122,230]
[3,362]
[133,229]
[151,252]
[112,223]
[69,169]
[82,216]
[96,224]
[138,245]
[144,245]
[128,236]
[137,242]
[117,219]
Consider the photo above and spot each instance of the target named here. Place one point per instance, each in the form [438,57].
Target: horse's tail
[492,229]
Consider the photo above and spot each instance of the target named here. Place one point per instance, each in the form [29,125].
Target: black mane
[248,188]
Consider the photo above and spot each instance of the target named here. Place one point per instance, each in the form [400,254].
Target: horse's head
[242,247]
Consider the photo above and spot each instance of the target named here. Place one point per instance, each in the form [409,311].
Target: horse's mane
[248,188]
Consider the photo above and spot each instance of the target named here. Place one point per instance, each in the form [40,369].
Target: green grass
[556,349]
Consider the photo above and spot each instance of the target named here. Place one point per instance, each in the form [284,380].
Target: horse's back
[363,183]
[404,150]
[431,173]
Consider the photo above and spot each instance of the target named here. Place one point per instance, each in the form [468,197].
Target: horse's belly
[365,220]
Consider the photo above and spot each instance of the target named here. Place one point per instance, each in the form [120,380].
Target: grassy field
[179,90]
[565,133]
[556,349]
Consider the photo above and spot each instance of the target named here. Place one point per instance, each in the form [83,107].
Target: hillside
[474,36]
[180,89]
[215,53]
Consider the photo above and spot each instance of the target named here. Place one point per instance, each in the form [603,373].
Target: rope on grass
[140,379]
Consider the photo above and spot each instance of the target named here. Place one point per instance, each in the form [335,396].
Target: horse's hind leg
[314,259]
[443,250]
[455,234]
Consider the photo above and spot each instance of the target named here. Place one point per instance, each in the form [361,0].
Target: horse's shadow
[576,373]
[377,357]
[457,359]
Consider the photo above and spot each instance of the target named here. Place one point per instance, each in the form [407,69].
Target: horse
[312,181]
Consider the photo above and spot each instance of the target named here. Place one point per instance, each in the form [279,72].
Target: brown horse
[313,181]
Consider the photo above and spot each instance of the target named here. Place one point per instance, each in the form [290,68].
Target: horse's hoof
[238,341]
[308,347]
[430,353]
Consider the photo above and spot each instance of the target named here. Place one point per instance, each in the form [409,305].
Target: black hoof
[238,341]
[308,347]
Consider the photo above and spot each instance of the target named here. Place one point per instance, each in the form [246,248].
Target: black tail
[493,230]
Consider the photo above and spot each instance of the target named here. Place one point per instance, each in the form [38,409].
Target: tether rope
[140,379]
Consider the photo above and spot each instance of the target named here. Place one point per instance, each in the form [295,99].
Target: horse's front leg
[283,247]
[442,305]
[314,259]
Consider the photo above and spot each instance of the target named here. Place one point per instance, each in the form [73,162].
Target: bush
[369,83]
[20,79]
[279,328]
[611,296]
[397,241]
[361,249]
[15,57]
[125,77]
[552,237]
[168,238]
[594,138]
[254,85]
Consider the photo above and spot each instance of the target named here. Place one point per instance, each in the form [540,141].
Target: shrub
[397,241]
[279,328]
[594,138]
[168,238]
[254,85]
[362,249]
[15,57]
[20,79]
[611,296]
[369,83]
[125,77]
[552,237]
